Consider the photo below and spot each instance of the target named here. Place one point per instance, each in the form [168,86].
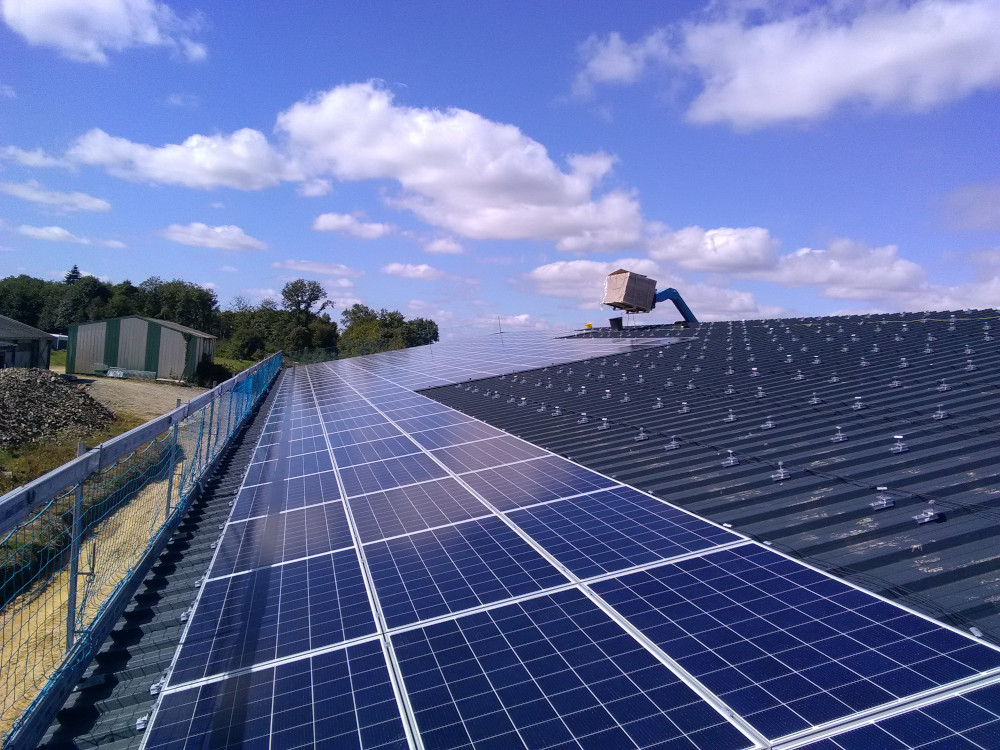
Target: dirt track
[140,397]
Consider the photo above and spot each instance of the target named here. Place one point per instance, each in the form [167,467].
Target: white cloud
[86,32]
[847,269]
[974,207]
[229,269]
[58,234]
[36,158]
[7,91]
[443,246]
[51,234]
[210,285]
[315,187]
[803,61]
[243,160]
[724,249]
[227,237]
[460,171]
[421,272]
[613,60]
[350,224]
[318,268]
[34,192]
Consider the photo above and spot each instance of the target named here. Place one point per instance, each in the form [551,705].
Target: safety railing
[76,543]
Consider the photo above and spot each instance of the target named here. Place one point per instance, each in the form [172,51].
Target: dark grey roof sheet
[905,369]
[14,329]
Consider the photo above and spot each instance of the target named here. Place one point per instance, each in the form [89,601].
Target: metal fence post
[172,468]
[74,555]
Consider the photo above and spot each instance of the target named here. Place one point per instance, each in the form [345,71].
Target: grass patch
[21,464]
[57,358]
[234,365]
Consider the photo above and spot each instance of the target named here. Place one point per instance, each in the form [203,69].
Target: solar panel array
[394,574]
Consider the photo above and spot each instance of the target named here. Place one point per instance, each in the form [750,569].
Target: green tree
[72,275]
[299,297]
[420,331]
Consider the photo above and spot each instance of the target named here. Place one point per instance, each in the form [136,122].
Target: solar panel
[455,434]
[408,509]
[534,481]
[450,569]
[341,699]
[308,463]
[552,671]
[486,453]
[393,472]
[271,539]
[966,721]
[274,612]
[313,489]
[785,646]
[376,450]
[616,529]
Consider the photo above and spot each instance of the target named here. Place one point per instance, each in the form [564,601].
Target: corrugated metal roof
[14,329]
[777,391]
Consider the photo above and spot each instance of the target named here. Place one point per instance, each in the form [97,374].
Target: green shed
[157,347]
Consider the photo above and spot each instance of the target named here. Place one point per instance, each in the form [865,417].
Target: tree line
[298,321]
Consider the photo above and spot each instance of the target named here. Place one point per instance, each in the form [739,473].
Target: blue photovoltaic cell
[455,434]
[408,410]
[447,570]
[534,481]
[377,450]
[552,671]
[301,433]
[486,453]
[393,472]
[311,490]
[362,435]
[616,529]
[308,463]
[267,452]
[785,646]
[340,424]
[260,542]
[262,473]
[307,445]
[432,421]
[407,509]
[968,721]
[342,699]
[270,613]
[255,500]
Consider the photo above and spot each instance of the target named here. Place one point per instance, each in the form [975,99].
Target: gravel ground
[144,398]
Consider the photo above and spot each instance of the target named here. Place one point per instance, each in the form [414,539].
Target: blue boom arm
[674,296]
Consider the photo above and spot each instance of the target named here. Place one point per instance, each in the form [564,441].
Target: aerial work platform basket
[630,291]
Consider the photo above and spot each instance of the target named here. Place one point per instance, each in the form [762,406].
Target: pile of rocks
[37,404]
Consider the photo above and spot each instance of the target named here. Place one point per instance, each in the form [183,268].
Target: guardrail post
[74,555]
[172,450]
[208,443]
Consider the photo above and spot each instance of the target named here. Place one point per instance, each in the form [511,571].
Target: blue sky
[469,160]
